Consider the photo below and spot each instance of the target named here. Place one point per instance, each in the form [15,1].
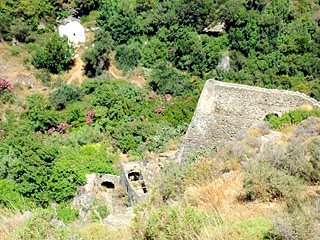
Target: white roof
[74,31]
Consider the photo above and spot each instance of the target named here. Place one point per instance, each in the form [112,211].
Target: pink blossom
[65,135]
[107,132]
[5,86]
[188,99]
[89,115]
[133,122]
[144,94]
[168,97]
[142,117]
[2,130]
[152,95]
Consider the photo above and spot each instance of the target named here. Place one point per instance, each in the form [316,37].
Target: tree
[56,56]
[97,58]
[66,94]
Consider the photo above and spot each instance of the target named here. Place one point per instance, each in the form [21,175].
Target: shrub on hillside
[67,93]
[40,113]
[263,181]
[97,58]
[164,79]
[173,223]
[298,222]
[55,56]
[292,117]
[23,33]
[128,56]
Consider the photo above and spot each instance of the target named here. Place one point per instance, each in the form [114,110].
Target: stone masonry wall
[226,110]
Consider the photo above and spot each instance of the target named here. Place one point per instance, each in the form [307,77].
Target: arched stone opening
[134,176]
[108,185]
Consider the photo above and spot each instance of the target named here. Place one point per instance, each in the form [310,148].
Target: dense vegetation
[53,141]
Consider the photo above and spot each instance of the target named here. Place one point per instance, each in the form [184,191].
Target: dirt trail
[75,75]
[136,79]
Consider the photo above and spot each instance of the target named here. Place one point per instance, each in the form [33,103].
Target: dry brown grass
[222,195]
[97,231]
[136,78]
[9,221]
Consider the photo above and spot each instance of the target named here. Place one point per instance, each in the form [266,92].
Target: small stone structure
[227,110]
[74,31]
[215,27]
[132,180]
[86,194]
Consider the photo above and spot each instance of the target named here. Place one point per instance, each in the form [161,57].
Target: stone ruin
[226,110]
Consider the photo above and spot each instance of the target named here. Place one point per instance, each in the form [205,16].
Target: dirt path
[135,79]
[76,75]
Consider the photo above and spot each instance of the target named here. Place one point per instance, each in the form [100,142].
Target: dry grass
[97,231]
[221,195]
[135,77]
[9,221]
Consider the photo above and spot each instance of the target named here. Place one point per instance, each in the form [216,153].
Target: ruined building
[226,110]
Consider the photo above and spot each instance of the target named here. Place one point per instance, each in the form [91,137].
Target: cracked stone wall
[226,110]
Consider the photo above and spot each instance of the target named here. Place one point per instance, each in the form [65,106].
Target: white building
[74,31]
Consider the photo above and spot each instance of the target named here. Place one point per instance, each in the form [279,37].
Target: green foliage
[9,197]
[44,76]
[70,170]
[128,56]
[164,79]
[264,181]
[23,33]
[40,113]
[40,227]
[66,214]
[297,222]
[292,117]
[56,55]
[172,223]
[96,58]
[66,94]
[154,51]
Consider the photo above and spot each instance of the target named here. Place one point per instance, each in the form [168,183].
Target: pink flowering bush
[89,116]
[6,91]
[5,86]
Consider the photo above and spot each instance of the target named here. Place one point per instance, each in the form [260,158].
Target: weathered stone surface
[226,110]
[132,181]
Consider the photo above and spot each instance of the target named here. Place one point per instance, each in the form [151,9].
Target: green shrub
[22,33]
[56,56]
[164,79]
[97,58]
[44,76]
[128,56]
[40,227]
[154,51]
[67,214]
[172,223]
[70,170]
[90,85]
[300,221]
[263,181]
[10,197]
[66,94]
[40,113]
[15,51]
[292,117]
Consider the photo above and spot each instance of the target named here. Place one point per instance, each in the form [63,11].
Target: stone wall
[226,110]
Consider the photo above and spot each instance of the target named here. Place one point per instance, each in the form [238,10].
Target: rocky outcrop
[226,110]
